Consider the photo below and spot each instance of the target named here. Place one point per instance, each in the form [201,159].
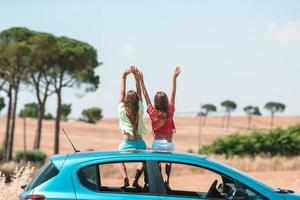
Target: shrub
[65,111]
[29,110]
[91,115]
[31,155]
[48,116]
[275,142]
[21,176]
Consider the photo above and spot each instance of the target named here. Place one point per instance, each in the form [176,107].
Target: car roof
[79,157]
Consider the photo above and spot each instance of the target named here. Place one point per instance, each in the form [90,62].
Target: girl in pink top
[161,115]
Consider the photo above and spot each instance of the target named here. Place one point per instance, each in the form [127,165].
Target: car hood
[292,196]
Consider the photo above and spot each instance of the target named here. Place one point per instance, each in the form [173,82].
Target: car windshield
[244,175]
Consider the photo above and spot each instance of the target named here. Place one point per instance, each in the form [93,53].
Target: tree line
[90,115]
[230,106]
[46,64]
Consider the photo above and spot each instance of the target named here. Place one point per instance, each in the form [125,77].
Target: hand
[126,72]
[135,71]
[176,72]
[139,75]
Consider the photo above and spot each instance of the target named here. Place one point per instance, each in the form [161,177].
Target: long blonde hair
[131,104]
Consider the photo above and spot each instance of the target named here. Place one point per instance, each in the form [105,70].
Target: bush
[31,155]
[65,111]
[91,115]
[48,116]
[276,142]
[29,110]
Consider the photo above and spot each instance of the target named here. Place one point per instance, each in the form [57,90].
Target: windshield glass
[244,174]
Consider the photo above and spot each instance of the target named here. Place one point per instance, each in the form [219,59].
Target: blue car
[95,175]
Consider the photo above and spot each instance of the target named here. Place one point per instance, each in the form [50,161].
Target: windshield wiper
[284,191]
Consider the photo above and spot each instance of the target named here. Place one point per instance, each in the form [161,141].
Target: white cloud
[284,34]
[127,50]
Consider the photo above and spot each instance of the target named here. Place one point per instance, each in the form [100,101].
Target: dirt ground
[189,135]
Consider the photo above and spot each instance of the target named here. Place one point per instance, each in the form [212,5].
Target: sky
[246,51]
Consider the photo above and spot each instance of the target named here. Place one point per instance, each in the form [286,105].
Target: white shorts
[162,145]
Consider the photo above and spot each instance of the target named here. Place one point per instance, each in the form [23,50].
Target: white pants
[162,145]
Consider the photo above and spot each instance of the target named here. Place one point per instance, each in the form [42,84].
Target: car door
[192,180]
[189,181]
[102,181]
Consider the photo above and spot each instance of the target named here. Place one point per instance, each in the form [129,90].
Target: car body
[81,175]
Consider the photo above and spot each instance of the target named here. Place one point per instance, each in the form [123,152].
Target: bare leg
[139,171]
[168,173]
[140,166]
[124,174]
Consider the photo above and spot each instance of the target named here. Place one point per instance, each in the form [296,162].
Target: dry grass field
[277,171]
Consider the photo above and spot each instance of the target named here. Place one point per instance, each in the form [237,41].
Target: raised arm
[144,90]
[173,92]
[135,72]
[123,83]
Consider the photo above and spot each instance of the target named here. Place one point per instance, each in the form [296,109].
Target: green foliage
[208,108]
[252,110]
[15,53]
[76,63]
[15,34]
[15,62]
[91,115]
[2,103]
[65,111]
[75,66]
[29,110]
[48,116]
[274,107]
[48,64]
[276,142]
[229,105]
[256,111]
[32,156]
[249,110]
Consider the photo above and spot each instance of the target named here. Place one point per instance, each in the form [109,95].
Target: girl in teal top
[131,112]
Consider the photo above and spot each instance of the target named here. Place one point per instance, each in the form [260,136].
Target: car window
[252,194]
[194,181]
[89,177]
[107,177]
[112,180]
[47,172]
